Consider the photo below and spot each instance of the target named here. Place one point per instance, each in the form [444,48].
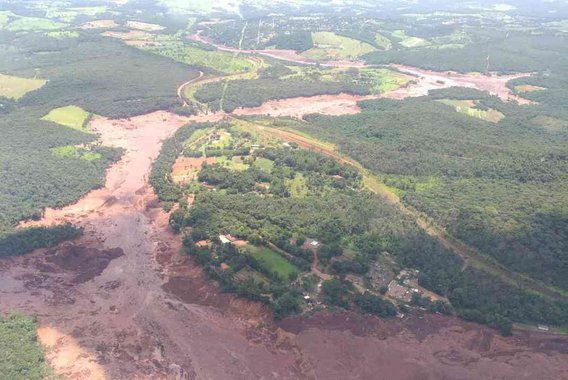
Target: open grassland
[328,45]
[234,163]
[69,116]
[15,87]
[227,63]
[264,164]
[297,186]
[382,80]
[69,14]
[272,261]
[383,42]
[71,151]
[22,356]
[528,88]
[408,41]
[468,107]
[377,80]
[4,18]
[29,24]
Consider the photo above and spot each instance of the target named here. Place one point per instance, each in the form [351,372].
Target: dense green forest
[22,355]
[252,93]
[101,76]
[277,213]
[502,189]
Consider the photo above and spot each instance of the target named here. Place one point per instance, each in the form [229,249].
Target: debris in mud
[86,263]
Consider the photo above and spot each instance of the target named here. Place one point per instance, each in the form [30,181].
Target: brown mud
[121,302]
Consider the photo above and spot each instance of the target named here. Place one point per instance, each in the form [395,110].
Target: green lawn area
[272,261]
[383,80]
[264,164]
[26,24]
[21,356]
[383,42]
[70,151]
[225,140]
[468,107]
[15,87]
[222,61]
[408,41]
[328,45]
[234,164]
[69,116]
[528,88]
[297,186]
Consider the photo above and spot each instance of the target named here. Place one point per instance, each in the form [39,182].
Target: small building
[224,239]
[202,243]
[315,243]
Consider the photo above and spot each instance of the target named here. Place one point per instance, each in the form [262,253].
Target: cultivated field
[468,107]
[15,87]
[272,261]
[69,116]
[330,46]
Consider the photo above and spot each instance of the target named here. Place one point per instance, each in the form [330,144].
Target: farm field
[14,87]
[272,261]
[26,24]
[408,41]
[468,107]
[71,151]
[69,116]
[330,46]
[383,42]
[221,61]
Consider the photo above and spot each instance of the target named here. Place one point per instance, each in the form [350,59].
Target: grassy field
[272,261]
[383,42]
[328,45]
[408,41]
[297,186]
[378,80]
[264,164]
[468,107]
[15,87]
[383,80]
[22,356]
[528,88]
[222,61]
[27,24]
[233,164]
[69,116]
[70,151]
[69,14]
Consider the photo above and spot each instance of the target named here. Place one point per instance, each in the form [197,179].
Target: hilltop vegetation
[22,356]
[505,197]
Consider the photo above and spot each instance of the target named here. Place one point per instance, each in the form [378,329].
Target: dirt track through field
[122,303]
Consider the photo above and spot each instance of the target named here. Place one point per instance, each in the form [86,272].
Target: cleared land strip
[470,255]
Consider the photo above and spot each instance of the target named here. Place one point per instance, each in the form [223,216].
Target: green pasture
[272,261]
[15,87]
